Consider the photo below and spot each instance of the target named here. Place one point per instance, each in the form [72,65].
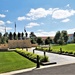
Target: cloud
[70,31]
[6,10]
[2,22]
[32,24]
[65,20]
[68,5]
[2,15]
[61,14]
[2,29]
[35,14]
[52,33]
[8,28]
[44,33]
[21,18]
[40,30]
[55,13]
[8,22]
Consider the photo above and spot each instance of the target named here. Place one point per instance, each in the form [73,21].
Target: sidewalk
[60,59]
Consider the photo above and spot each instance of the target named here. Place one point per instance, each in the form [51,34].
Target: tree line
[12,36]
[59,38]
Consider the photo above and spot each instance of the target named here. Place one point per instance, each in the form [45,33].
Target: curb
[34,68]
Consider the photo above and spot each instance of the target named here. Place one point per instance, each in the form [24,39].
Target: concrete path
[60,59]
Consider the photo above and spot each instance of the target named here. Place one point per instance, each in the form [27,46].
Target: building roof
[44,37]
[70,34]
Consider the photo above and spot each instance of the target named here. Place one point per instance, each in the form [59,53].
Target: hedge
[32,56]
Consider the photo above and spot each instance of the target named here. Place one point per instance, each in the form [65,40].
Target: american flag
[24,29]
[15,25]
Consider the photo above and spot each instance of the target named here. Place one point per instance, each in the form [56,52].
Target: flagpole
[15,27]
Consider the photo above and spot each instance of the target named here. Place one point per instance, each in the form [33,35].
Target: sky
[43,17]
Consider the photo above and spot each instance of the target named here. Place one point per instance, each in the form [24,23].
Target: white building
[70,38]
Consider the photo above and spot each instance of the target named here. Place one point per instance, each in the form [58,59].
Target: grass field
[56,48]
[68,47]
[10,61]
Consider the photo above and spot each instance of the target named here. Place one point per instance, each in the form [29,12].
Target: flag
[24,29]
[15,25]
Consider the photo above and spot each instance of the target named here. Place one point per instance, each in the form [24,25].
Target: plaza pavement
[60,59]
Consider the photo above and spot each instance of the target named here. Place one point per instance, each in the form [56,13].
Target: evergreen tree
[48,40]
[74,37]
[18,36]
[57,37]
[22,35]
[10,35]
[39,40]
[14,36]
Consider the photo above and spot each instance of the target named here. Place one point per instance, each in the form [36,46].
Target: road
[57,70]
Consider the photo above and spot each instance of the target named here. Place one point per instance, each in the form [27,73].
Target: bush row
[60,51]
[32,56]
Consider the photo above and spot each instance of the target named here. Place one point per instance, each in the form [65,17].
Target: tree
[3,41]
[48,40]
[22,35]
[39,40]
[14,36]
[10,35]
[33,37]
[64,35]
[18,36]
[57,37]
[74,37]
[61,37]
[0,36]
[61,41]
[33,41]
[26,34]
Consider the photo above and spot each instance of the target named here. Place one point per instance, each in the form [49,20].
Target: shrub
[32,56]
[74,53]
[70,52]
[44,59]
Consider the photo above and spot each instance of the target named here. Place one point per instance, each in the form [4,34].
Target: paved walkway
[60,59]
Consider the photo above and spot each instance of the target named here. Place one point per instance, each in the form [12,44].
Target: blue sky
[43,17]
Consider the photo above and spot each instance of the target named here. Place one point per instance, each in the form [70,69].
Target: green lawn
[10,61]
[56,48]
[68,47]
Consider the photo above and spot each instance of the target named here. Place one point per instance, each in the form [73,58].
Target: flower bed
[32,56]
[60,51]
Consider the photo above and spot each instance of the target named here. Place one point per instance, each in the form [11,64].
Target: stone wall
[19,43]
[3,47]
